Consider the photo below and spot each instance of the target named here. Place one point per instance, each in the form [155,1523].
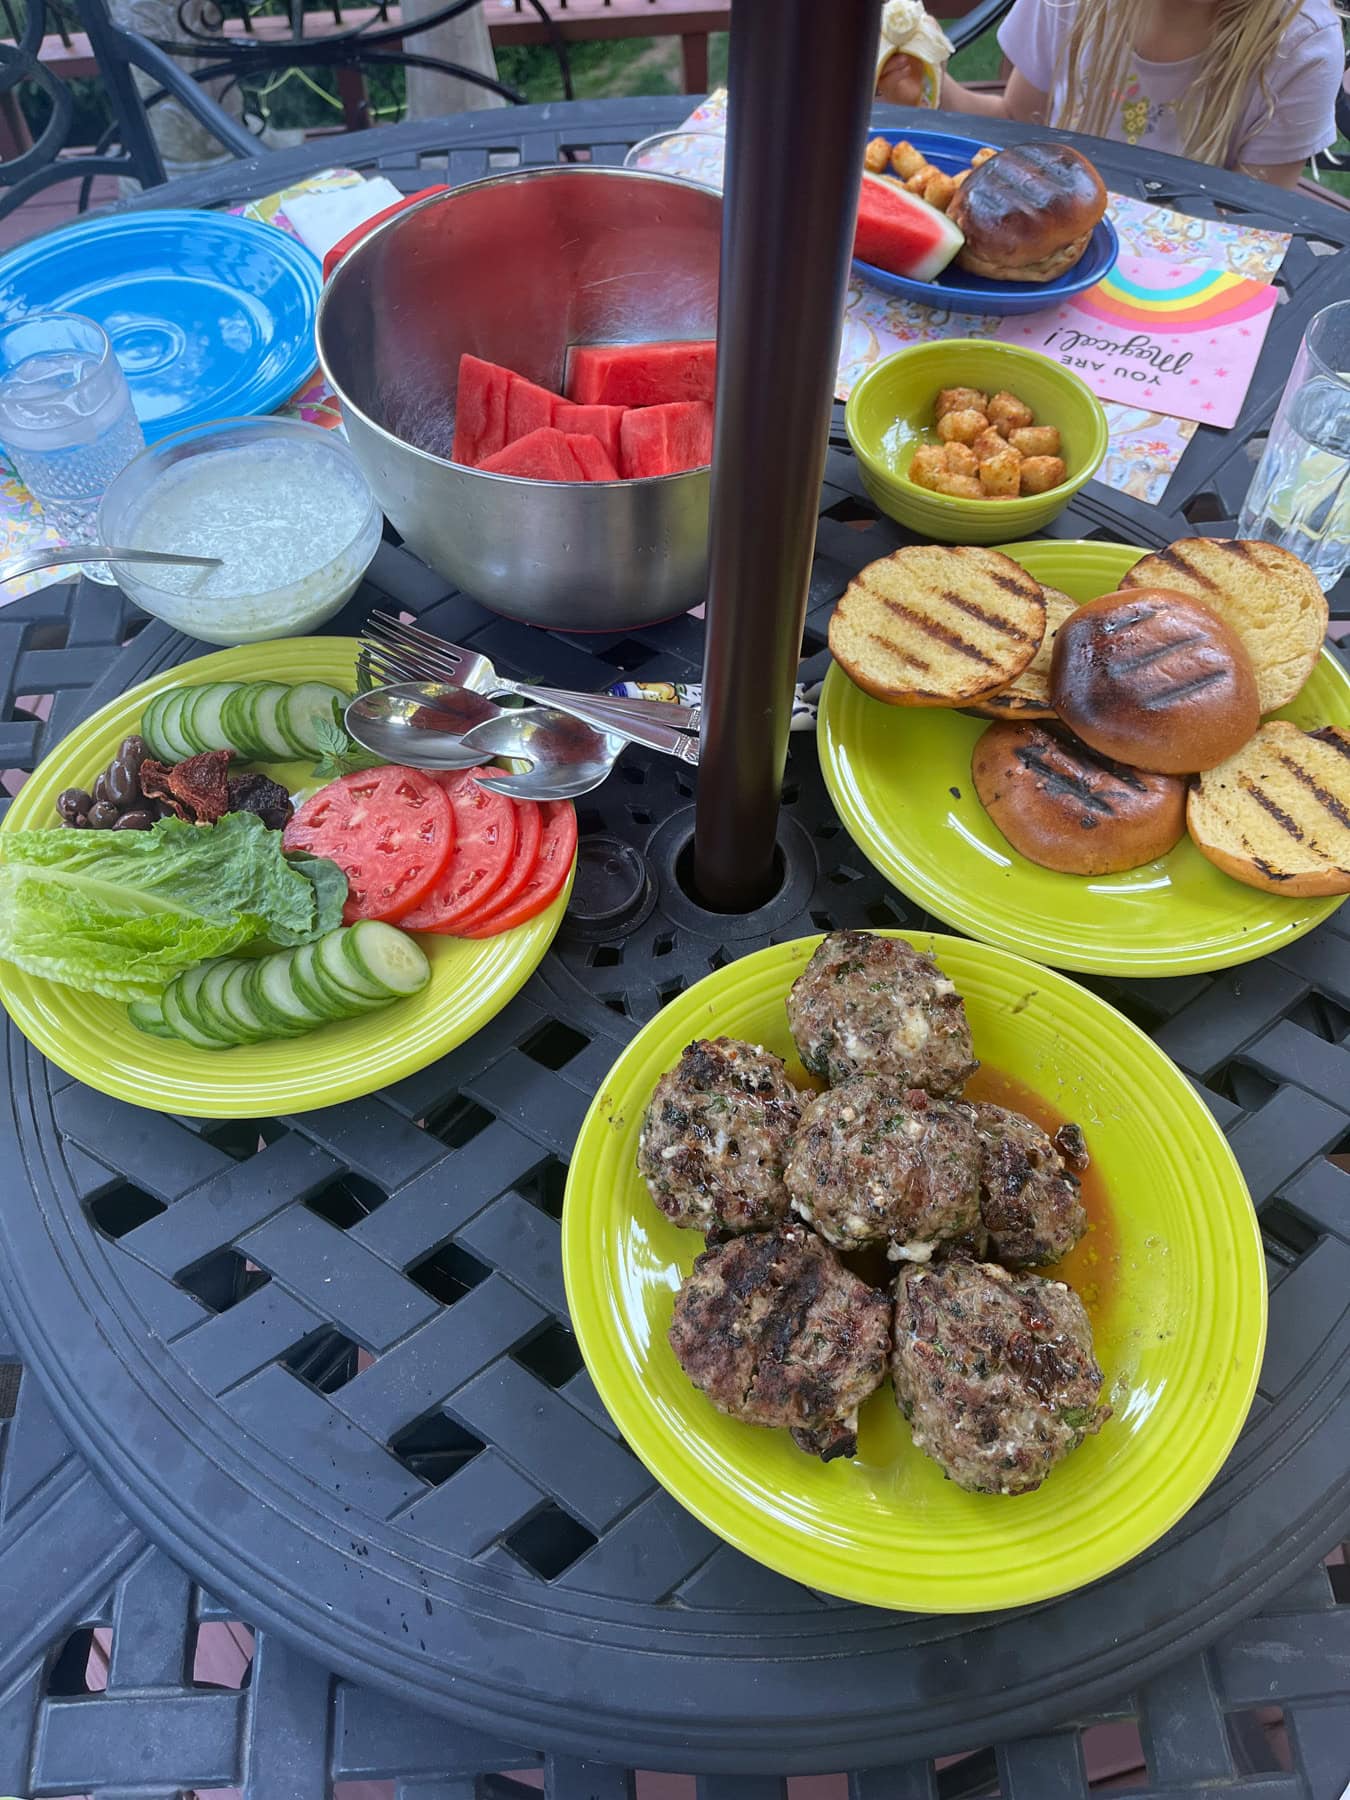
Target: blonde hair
[1100,48]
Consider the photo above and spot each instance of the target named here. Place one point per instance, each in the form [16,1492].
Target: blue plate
[211,317]
[955,290]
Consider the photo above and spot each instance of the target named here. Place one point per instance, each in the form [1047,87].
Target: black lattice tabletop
[324,1361]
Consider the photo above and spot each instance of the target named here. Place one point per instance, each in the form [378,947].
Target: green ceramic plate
[1171,1273]
[92,1039]
[900,780]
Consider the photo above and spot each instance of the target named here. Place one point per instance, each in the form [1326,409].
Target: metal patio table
[323,1363]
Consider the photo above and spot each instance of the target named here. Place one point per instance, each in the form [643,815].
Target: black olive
[79,822]
[132,752]
[122,783]
[72,801]
[102,815]
[137,819]
[101,792]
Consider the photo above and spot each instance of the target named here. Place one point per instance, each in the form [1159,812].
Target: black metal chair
[976,22]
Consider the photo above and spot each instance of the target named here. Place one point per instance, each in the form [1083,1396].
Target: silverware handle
[655,735]
[660,712]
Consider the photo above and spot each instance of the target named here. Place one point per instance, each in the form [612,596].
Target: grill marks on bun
[1277,814]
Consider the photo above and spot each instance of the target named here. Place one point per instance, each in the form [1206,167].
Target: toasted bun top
[1027,202]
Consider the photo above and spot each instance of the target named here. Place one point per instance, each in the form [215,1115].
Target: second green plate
[900,779]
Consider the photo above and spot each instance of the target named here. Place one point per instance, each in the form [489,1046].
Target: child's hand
[901,81]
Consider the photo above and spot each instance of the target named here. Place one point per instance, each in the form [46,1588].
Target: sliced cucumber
[168,726]
[317,991]
[201,716]
[150,718]
[267,732]
[236,1000]
[181,1022]
[387,958]
[198,1006]
[234,723]
[305,705]
[336,967]
[148,1016]
[275,995]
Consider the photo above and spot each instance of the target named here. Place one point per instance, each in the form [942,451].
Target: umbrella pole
[801,79]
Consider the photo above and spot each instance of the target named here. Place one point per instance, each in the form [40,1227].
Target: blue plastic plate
[955,290]
[211,317]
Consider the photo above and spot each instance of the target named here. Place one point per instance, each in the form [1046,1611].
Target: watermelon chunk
[542,455]
[528,407]
[899,232]
[480,409]
[663,440]
[600,421]
[641,374]
[592,457]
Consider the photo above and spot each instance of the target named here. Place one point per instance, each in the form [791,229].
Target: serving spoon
[567,757]
[77,554]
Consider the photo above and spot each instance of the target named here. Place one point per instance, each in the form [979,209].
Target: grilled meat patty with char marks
[1029,1198]
[870,1005]
[775,1331]
[876,1162]
[995,1373]
[715,1137]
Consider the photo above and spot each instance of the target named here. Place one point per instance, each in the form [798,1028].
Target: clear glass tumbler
[1299,497]
[693,155]
[66,418]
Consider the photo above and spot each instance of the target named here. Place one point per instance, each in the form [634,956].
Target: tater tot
[962,487]
[877,155]
[930,461]
[939,190]
[1036,440]
[1008,413]
[960,459]
[906,160]
[961,177]
[961,427]
[982,156]
[1001,475]
[960,400]
[1040,473]
[915,183]
[989,443]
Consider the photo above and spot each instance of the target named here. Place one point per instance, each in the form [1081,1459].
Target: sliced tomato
[390,830]
[529,831]
[485,842]
[557,847]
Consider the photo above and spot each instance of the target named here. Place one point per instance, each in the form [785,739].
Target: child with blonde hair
[1245,84]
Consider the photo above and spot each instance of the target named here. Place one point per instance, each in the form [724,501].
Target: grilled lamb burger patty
[876,1162]
[874,1005]
[775,1331]
[995,1373]
[1029,1198]
[715,1137]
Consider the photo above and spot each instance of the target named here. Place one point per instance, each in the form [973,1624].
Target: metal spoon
[567,757]
[74,555]
[419,723]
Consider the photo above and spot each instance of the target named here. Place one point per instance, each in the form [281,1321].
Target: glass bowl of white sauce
[285,508]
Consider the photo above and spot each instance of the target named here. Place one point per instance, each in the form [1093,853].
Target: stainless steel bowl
[514,269]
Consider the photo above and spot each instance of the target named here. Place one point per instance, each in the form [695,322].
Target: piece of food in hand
[877,155]
[716,1135]
[1000,474]
[914,51]
[1152,679]
[960,399]
[1276,816]
[961,427]
[938,625]
[1008,414]
[875,1162]
[1269,596]
[1035,440]
[872,1005]
[776,1331]
[1027,213]
[1027,696]
[1041,473]
[899,232]
[994,1372]
[1063,806]
[1030,1203]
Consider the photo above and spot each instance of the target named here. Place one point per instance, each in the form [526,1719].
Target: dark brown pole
[801,79]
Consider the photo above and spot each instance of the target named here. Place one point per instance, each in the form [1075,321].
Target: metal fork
[429,658]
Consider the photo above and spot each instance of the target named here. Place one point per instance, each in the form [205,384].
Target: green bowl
[890,413]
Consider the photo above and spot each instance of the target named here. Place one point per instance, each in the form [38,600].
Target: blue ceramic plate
[211,317]
[955,290]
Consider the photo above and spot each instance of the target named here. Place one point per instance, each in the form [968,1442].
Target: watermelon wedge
[528,408]
[899,232]
[663,440]
[542,455]
[600,421]
[480,409]
[641,374]
[592,457]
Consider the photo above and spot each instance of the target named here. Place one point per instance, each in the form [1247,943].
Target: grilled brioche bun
[1277,814]
[1028,212]
[1269,596]
[937,625]
[1155,680]
[1027,696]
[1064,807]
